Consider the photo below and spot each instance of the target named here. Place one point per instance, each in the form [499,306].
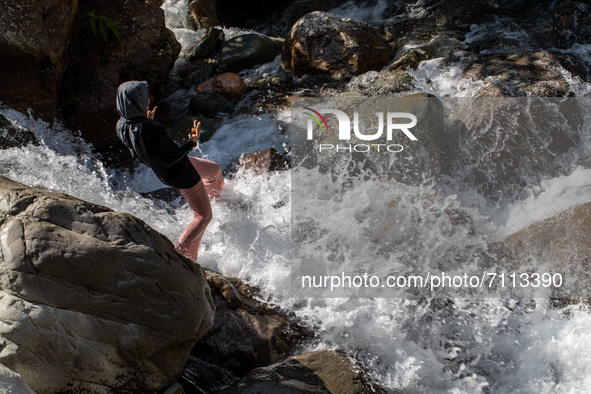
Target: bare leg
[198,200]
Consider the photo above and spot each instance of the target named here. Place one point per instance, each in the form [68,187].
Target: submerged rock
[93,300]
[323,43]
[560,244]
[320,371]
[524,74]
[496,144]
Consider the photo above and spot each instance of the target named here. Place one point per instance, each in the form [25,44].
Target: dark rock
[186,75]
[320,371]
[299,8]
[265,161]
[410,59]
[210,104]
[93,300]
[249,50]
[34,40]
[211,39]
[246,334]
[524,74]
[14,137]
[146,50]
[204,13]
[323,43]
[437,47]
[229,85]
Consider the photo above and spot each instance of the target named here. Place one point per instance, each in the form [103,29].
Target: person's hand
[151,113]
[195,132]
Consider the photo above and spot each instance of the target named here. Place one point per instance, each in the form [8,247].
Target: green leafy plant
[103,24]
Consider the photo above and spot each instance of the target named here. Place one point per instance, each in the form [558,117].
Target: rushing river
[460,346]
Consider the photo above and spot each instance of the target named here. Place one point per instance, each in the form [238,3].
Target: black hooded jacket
[147,139]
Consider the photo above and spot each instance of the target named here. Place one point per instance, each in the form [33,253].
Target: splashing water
[428,345]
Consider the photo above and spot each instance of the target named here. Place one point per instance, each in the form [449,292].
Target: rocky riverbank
[97,301]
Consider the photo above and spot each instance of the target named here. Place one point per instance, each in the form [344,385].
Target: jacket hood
[132,99]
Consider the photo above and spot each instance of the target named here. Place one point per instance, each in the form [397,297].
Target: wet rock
[490,145]
[440,47]
[211,39]
[145,50]
[323,43]
[560,244]
[299,8]
[186,75]
[246,334]
[93,300]
[410,59]
[204,13]
[34,41]
[12,136]
[320,371]
[437,47]
[381,82]
[265,161]
[524,74]
[248,50]
[210,104]
[228,85]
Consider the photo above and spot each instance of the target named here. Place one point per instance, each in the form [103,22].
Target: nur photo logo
[395,125]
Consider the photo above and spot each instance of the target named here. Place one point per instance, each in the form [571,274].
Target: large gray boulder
[93,300]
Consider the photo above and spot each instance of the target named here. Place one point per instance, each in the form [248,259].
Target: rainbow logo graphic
[316,119]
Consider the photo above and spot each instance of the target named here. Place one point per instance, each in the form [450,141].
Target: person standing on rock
[198,180]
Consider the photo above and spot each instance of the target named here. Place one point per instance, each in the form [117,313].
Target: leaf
[92,23]
[103,31]
[113,26]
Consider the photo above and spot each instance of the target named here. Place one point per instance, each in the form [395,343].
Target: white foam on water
[176,14]
[435,346]
[549,198]
[464,347]
[245,134]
